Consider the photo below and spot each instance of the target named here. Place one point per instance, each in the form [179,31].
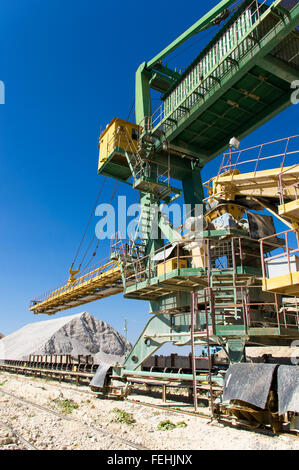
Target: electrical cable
[88,223]
[116,185]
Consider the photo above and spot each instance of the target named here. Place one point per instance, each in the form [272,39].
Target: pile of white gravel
[277,354]
[76,334]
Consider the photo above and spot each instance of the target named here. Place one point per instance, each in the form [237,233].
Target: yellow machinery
[281,268]
[290,210]
[171,264]
[100,282]
[287,284]
[275,190]
[263,183]
[118,138]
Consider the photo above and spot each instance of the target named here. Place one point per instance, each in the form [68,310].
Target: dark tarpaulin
[260,225]
[98,379]
[249,383]
[288,389]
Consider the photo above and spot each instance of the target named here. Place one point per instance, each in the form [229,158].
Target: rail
[260,158]
[285,149]
[203,253]
[59,370]
[234,302]
[284,252]
[97,272]
[258,12]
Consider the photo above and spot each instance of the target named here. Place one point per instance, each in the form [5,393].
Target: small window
[135,134]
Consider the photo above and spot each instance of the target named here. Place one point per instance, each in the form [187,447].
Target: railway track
[209,418]
[223,420]
[136,402]
[12,431]
[96,429]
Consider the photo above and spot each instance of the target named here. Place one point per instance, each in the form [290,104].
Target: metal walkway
[100,282]
[232,89]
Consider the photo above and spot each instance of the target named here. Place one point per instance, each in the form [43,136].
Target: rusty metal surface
[249,383]
[288,389]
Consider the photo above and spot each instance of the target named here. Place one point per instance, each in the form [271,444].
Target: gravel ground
[46,431]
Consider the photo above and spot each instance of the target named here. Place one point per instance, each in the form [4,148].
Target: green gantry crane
[207,289]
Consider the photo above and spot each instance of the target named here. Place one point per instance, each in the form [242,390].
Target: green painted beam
[167,71]
[193,189]
[160,83]
[147,344]
[205,22]
[218,378]
[167,229]
[265,46]
[142,94]
[280,69]
[253,124]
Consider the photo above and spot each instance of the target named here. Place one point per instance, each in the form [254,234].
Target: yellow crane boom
[100,282]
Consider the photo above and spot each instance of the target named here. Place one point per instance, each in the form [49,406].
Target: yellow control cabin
[118,138]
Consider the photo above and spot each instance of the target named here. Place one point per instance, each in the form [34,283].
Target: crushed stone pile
[279,354]
[76,334]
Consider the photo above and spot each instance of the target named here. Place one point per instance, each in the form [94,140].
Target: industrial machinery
[224,276]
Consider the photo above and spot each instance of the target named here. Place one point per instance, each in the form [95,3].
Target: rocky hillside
[76,334]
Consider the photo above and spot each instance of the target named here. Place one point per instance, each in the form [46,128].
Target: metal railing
[282,153]
[259,11]
[93,274]
[284,188]
[233,306]
[286,150]
[283,253]
[234,303]
[214,255]
[289,312]
[286,259]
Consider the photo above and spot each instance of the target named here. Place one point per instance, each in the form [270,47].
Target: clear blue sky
[69,68]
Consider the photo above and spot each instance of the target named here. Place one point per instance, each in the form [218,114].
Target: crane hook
[73,273]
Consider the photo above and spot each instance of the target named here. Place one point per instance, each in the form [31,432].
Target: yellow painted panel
[290,209]
[260,183]
[170,265]
[286,284]
[116,135]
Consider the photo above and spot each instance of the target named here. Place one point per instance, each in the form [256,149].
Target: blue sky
[69,68]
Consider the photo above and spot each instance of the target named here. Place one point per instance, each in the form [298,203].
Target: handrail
[69,286]
[161,116]
[287,250]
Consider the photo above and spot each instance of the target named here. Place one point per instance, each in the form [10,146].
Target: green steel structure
[204,285]
[238,82]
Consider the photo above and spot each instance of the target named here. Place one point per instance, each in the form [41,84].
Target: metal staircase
[147,223]
[147,175]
